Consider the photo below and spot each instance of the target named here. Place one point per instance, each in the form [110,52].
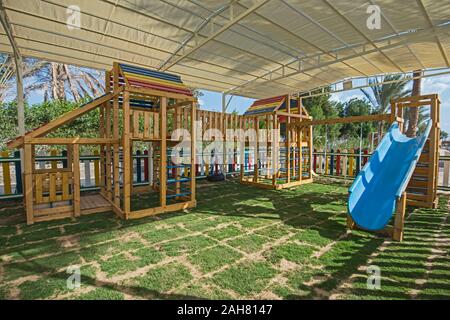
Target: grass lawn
[239,242]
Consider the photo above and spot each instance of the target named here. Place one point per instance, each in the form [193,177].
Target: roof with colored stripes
[152,79]
[270,105]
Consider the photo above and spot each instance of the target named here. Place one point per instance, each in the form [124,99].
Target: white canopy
[254,48]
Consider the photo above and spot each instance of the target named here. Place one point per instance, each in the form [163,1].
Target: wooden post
[300,153]
[76,180]
[399,218]
[6,174]
[163,151]
[433,153]
[103,148]
[127,168]
[115,133]
[177,124]
[275,150]
[28,182]
[350,222]
[393,111]
[268,146]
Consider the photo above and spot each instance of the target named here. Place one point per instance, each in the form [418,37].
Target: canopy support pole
[19,76]
[224,143]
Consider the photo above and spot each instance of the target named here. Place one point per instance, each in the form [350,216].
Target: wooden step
[421,171]
[418,183]
[417,189]
[416,203]
[424,158]
[417,197]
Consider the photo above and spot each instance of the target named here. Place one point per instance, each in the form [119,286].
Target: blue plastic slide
[374,193]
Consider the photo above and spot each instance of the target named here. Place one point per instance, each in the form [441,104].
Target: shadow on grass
[314,210]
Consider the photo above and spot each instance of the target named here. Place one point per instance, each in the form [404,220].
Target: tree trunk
[75,93]
[413,120]
[58,83]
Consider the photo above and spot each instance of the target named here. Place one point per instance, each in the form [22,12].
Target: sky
[437,84]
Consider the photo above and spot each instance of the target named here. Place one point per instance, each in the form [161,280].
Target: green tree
[351,132]
[356,107]
[41,113]
[380,95]
[321,107]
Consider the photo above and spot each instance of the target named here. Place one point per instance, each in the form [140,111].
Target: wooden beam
[417,98]
[376,117]
[67,117]
[73,114]
[65,141]
[158,93]
[293,115]
[180,104]
[161,209]
[76,181]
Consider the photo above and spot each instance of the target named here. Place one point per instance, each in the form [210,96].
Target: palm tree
[414,113]
[58,81]
[380,95]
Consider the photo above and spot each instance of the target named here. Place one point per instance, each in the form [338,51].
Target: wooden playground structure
[146,107]
[143,106]
[422,187]
[289,154]
[142,101]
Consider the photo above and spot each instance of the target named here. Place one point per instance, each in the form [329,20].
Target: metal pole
[19,74]
[224,145]
[360,146]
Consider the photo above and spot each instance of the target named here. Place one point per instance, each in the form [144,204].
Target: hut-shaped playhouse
[137,108]
[287,152]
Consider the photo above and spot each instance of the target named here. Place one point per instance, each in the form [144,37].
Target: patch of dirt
[196,274]
[15,219]
[286,265]
[267,295]
[328,247]
[68,241]
[420,281]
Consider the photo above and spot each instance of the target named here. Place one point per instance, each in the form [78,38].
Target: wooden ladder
[419,190]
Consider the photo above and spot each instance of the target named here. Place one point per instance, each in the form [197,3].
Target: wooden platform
[93,204]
